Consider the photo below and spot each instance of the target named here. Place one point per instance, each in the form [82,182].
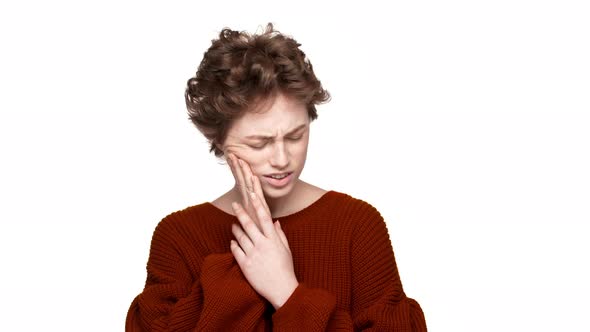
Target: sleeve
[378,300]
[221,299]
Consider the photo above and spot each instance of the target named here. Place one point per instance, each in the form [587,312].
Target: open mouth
[279,176]
[279,180]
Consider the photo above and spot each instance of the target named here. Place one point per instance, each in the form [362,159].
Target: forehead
[278,115]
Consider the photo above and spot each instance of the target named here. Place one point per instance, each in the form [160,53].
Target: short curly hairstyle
[239,71]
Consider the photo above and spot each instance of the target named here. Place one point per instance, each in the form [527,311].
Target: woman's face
[272,142]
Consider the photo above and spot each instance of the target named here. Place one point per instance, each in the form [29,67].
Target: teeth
[278,176]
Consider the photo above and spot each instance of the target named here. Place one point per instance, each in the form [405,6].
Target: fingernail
[253,195]
[234,205]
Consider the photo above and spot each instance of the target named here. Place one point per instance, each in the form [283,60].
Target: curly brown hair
[240,71]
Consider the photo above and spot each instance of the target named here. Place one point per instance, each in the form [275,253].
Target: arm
[378,300]
[173,300]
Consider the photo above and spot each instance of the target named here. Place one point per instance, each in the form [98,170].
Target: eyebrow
[269,137]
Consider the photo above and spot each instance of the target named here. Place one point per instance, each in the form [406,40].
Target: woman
[229,265]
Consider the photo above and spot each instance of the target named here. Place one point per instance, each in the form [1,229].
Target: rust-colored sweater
[343,260]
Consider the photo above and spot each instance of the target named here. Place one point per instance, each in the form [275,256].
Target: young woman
[274,253]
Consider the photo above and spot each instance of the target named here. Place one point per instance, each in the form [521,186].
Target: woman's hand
[246,183]
[261,250]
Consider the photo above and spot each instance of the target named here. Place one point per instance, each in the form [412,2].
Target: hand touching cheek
[261,250]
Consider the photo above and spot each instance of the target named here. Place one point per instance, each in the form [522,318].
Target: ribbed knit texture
[343,259]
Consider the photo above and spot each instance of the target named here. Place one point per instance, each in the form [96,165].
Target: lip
[279,183]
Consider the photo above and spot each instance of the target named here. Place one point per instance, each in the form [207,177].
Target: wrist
[288,291]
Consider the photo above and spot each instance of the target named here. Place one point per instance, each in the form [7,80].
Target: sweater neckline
[308,210]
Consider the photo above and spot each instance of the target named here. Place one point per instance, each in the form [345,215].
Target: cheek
[233,149]
[300,149]
[239,151]
[257,168]
[252,158]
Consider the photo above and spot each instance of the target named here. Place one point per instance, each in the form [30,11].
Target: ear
[218,146]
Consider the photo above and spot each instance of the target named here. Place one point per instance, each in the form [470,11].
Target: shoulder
[189,232]
[354,212]
[367,223]
[354,206]
[187,220]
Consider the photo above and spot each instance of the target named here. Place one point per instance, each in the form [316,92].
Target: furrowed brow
[270,137]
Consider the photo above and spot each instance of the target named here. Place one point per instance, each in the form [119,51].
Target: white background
[465,123]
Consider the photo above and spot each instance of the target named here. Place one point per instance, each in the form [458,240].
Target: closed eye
[259,147]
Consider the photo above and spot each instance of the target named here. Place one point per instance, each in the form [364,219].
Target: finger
[282,234]
[262,214]
[240,180]
[235,169]
[232,167]
[240,170]
[259,192]
[242,238]
[247,174]
[248,225]
[237,251]
[247,179]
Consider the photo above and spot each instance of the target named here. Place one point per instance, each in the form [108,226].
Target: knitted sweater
[342,256]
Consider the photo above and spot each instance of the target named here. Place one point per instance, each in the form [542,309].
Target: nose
[279,158]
